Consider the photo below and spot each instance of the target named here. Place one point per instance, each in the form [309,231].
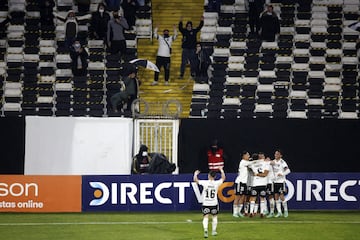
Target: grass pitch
[177,226]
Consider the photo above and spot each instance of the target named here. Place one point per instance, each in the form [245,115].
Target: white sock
[214,223]
[252,205]
[262,207]
[235,209]
[265,205]
[278,206]
[272,205]
[205,223]
[284,203]
[246,209]
[256,208]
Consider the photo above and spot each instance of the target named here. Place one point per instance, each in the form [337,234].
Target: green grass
[157,226]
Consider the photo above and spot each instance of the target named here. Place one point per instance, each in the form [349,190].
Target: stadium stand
[311,71]
[35,66]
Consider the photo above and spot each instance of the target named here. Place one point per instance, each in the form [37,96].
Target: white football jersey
[279,167]
[270,175]
[209,193]
[259,166]
[243,170]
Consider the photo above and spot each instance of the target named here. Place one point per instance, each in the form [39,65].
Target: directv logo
[142,193]
[101,193]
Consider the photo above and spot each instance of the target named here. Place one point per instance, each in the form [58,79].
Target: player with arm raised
[210,203]
[281,169]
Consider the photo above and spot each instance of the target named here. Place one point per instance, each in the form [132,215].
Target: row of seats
[311,71]
[35,66]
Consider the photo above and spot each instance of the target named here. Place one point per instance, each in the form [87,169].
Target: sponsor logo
[119,193]
[19,189]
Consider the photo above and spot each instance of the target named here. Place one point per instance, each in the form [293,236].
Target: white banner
[78,146]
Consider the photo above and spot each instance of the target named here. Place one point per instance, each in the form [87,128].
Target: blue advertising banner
[178,193]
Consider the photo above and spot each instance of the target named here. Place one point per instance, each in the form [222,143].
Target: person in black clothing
[79,58]
[130,7]
[99,23]
[46,13]
[202,64]
[269,24]
[141,161]
[188,45]
[83,5]
[255,9]
[214,6]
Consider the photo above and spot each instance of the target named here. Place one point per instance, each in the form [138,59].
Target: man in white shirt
[281,169]
[164,53]
[210,203]
[260,169]
[241,186]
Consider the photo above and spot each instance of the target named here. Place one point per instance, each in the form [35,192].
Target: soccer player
[269,186]
[241,184]
[260,169]
[281,169]
[210,203]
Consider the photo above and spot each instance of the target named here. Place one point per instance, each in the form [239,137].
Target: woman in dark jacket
[99,23]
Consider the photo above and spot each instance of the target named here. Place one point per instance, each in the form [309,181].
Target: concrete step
[165,14]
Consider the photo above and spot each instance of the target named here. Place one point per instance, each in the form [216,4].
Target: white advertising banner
[78,146]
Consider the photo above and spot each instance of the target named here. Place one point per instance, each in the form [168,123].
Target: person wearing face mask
[202,64]
[115,34]
[141,161]
[99,23]
[79,58]
[269,24]
[188,45]
[164,53]
[71,26]
[215,155]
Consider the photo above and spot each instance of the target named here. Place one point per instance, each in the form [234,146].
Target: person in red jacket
[215,156]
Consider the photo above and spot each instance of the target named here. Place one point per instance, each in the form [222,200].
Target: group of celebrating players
[261,180]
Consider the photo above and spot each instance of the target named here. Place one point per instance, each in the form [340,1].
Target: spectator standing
[255,7]
[164,53]
[269,24]
[46,13]
[210,204]
[113,5]
[188,45]
[214,6]
[128,92]
[129,7]
[215,156]
[83,5]
[202,62]
[71,26]
[79,58]
[99,23]
[115,34]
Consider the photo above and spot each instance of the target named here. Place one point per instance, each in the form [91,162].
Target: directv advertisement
[306,191]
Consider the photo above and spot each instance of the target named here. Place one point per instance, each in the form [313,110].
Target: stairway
[165,14]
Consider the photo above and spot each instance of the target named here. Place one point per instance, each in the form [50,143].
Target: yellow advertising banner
[19,193]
